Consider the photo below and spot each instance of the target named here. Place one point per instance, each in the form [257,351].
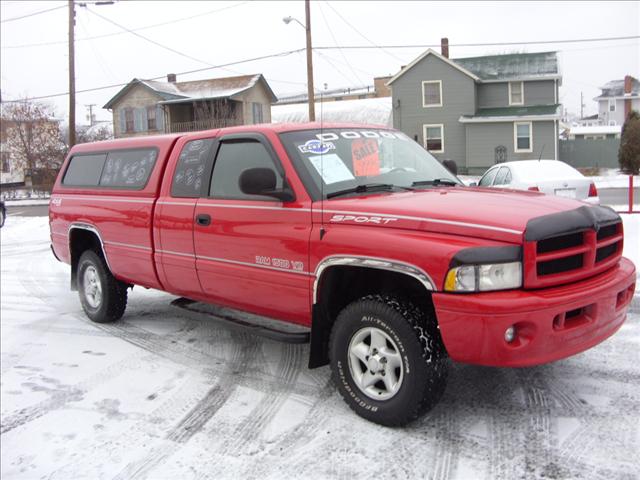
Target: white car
[552,177]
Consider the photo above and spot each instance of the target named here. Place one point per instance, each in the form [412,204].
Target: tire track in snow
[258,419]
[446,456]
[245,351]
[538,435]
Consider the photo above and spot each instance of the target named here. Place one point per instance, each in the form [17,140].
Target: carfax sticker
[316,147]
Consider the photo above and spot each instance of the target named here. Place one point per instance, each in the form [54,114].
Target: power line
[357,77]
[127,30]
[95,37]
[33,14]
[492,44]
[149,40]
[105,87]
[332,65]
[362,35]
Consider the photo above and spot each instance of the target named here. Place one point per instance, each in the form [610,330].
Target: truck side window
[233,159]
[128,168]
[192,163]
[84,170]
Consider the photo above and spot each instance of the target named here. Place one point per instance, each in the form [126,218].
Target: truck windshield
[331,161]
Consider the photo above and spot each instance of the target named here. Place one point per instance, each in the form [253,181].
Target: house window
[151,118]
[612,104]
[432,93]
[522,137]
[128,118]
[257,112]
[612,123]
[4,157]
[516,93]
[434,138]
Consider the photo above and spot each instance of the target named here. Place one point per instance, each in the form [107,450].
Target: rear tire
[388,360]
[103,297]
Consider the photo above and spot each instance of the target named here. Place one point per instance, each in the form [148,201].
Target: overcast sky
[207,34]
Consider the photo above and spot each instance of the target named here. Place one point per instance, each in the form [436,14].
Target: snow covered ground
[159,395]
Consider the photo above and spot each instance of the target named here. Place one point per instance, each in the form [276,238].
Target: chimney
[444,47]
[171,77]
[380,88]
[628,85]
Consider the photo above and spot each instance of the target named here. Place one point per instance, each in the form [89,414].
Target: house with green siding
[480,111]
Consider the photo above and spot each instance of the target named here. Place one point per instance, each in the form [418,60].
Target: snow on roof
[515,65]
[375,111]
[615,88]
[176,92]
[336,92]
[595,130]
[211,88]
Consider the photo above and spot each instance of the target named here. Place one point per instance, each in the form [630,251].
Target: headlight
[484,278]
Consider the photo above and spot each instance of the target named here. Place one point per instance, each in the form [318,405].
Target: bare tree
[31,136]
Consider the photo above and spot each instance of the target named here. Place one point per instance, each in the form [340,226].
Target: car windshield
[335,162]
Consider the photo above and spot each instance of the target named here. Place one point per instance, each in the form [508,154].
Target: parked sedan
[552,177]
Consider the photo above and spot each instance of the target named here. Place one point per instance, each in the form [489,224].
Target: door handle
[203,219]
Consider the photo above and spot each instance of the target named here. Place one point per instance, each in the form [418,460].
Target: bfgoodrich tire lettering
[412,348]
[103,297]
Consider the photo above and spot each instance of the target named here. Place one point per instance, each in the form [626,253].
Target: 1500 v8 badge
[280,263]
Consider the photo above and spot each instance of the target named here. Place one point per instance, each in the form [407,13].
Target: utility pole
[72,75]
[310,90]
[90,107]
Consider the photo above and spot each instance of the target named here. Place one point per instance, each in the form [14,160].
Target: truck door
[187,178]
[252,252]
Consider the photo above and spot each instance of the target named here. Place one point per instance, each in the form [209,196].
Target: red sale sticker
[366,158]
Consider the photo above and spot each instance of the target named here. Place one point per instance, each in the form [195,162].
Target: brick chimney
[628,86]
[380,89]
[444,47]
[171,77]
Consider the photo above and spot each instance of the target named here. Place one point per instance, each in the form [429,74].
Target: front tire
[388,360]
[103,297]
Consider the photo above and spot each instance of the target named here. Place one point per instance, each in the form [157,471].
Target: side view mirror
[262,181]
[473,184]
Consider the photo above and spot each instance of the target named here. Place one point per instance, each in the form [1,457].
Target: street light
[307,27]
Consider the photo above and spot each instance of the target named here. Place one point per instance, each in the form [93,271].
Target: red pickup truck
[355,235]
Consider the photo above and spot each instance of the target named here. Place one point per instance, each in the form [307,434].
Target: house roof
[177,92]
[501,114]
[437,55]
[512,66]
[615,88]
[372,111]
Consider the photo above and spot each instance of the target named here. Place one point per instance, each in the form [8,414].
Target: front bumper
[551,323]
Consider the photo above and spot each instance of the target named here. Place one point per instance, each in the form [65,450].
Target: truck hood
[494,214]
